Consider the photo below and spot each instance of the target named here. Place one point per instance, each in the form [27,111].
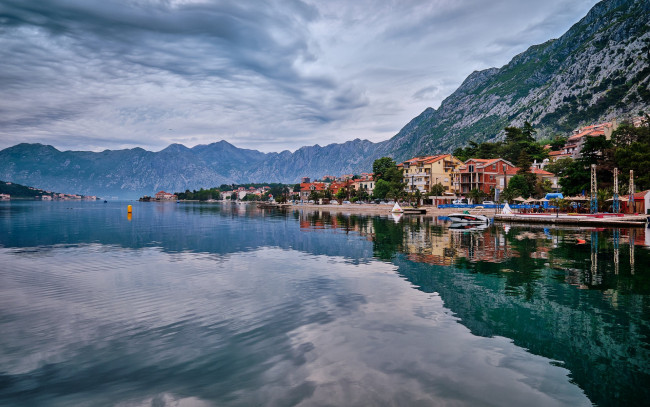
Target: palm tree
[476,195]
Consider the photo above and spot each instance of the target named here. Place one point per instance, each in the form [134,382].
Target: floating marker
[129,209]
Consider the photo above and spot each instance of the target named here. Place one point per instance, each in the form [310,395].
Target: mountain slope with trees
[598,70]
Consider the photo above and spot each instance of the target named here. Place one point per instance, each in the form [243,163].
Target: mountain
[598,70]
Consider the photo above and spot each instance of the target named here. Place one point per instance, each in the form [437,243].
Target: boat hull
[468,218]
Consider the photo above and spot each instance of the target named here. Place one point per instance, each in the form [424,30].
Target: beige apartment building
[421,173]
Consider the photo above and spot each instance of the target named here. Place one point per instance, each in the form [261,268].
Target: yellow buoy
[129,209]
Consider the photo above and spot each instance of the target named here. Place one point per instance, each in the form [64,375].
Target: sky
[264,75]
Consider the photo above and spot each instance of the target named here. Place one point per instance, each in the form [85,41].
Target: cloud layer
[273,75]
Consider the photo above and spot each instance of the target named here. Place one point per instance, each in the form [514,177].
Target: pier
[604,219]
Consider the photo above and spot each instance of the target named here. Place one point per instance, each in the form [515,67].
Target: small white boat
[397,208]
[468,218]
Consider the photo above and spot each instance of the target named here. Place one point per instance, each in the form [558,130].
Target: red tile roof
[306,186]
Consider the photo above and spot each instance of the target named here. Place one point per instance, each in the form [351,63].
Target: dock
[414,211]
[273,206]
[606,219]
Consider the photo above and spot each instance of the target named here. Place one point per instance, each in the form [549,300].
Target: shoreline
[386,209]
[627,220]
[607,220]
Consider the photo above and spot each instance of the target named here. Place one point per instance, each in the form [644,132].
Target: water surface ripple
[201,305]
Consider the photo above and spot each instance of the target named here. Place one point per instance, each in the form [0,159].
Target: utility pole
[630,203]
[616,205]
[594,197]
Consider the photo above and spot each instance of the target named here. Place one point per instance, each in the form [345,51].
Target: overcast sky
[266,75]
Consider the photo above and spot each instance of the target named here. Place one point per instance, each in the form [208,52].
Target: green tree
[509,194]
[361,194]
[543,187]
[437,189]
[417,196]
[519,186]
[633,153]
[382,188]
[381,166]
[559,167]
[514,135]
[528,132]
[576,178]
[558,142]
[476,195]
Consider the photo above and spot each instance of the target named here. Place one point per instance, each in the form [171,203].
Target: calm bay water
[201,305]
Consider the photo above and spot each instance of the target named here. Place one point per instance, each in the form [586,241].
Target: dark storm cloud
[168,37]
[118,73]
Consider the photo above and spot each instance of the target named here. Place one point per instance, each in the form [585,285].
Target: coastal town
[575,174]
[537,181]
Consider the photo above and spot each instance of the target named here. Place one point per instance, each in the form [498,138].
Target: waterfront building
[421,173]
[573,146]
[367,183]
[481,174]
[306,188]
[165,196]
[642,202]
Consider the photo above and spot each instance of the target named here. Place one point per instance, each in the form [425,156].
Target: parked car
[488,203]
[346,202]
[460,201]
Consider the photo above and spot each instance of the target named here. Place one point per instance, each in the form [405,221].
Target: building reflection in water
[572,295]
[584,255]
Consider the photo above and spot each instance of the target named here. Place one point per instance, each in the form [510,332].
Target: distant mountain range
[598,70]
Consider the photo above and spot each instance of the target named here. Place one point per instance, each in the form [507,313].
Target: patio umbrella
[529,200]
[519,199]
[620,198]
[543,200]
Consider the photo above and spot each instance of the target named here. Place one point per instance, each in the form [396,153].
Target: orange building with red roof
[573,147]
[307,188]
[165,196]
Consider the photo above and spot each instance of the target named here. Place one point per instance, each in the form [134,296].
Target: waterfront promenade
[605,219]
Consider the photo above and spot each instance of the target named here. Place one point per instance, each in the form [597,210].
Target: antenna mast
[616,205]
[631,201]
[594,198]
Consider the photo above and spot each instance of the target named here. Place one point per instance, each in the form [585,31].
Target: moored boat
[468,218]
